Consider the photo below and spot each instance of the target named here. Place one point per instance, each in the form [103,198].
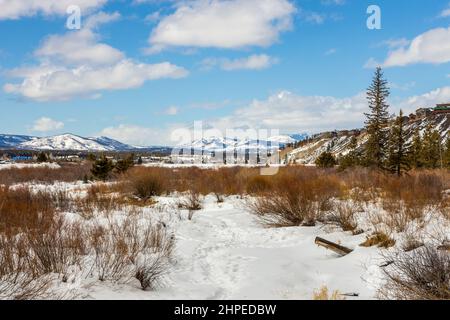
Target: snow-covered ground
[225,253]
[29,165]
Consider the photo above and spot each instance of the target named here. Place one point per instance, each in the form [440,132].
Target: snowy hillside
[73,142]
[339,142]
[66,142]
[11,141]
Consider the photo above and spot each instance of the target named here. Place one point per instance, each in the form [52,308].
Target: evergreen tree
[398,161]
[42,157]
[431,148]
[446,155]
[123,165]
[326,160]
[91,157]
[101,168]
[351,159]
[377,120]
[139,162]
[415,155]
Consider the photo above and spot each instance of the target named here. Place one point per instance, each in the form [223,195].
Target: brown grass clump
[324,294]
[379,239]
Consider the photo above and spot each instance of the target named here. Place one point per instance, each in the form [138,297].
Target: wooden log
[341,250]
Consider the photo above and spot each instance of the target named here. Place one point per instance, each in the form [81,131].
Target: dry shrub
[422,274]
[21,210]
[344,216]
[411,241]
[283,209]
[59,247]
[147,182]
[191,202]
[99,199]
[20,278]
[151,269]
[69,172]
[299,197]
[120,248]
[111,260]
[258,185]
[324,294]
[380,239]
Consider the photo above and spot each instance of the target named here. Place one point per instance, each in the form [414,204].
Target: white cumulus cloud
[15,9]
[432,46]
[77,48]
[77,64]
[45,83]
[223,24]
[45,124]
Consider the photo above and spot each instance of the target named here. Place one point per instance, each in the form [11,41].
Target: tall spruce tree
[377,121]
[415,156]
[431,148]
[399,149]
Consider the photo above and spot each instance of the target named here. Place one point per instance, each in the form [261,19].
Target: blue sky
[138,69]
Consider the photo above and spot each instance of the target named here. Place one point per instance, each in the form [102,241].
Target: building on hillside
[442,108]
[423,112]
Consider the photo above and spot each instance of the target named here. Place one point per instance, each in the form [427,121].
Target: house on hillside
[442,108]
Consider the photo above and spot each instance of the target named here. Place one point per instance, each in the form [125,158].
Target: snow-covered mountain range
[71,142]
[64,142]
[224,144]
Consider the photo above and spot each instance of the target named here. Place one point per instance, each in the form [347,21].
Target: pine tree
[399,149]
[415,155]
[377,120]
[42,157]
[123,165]
[446,155]
[431,148]
[326,160]
[101,168]
[91,157]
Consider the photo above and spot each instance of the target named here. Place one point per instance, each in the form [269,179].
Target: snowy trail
[224,253]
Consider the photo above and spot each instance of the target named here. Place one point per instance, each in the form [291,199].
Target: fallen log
[341,250]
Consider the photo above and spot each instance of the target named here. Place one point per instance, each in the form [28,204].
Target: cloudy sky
[136,70]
